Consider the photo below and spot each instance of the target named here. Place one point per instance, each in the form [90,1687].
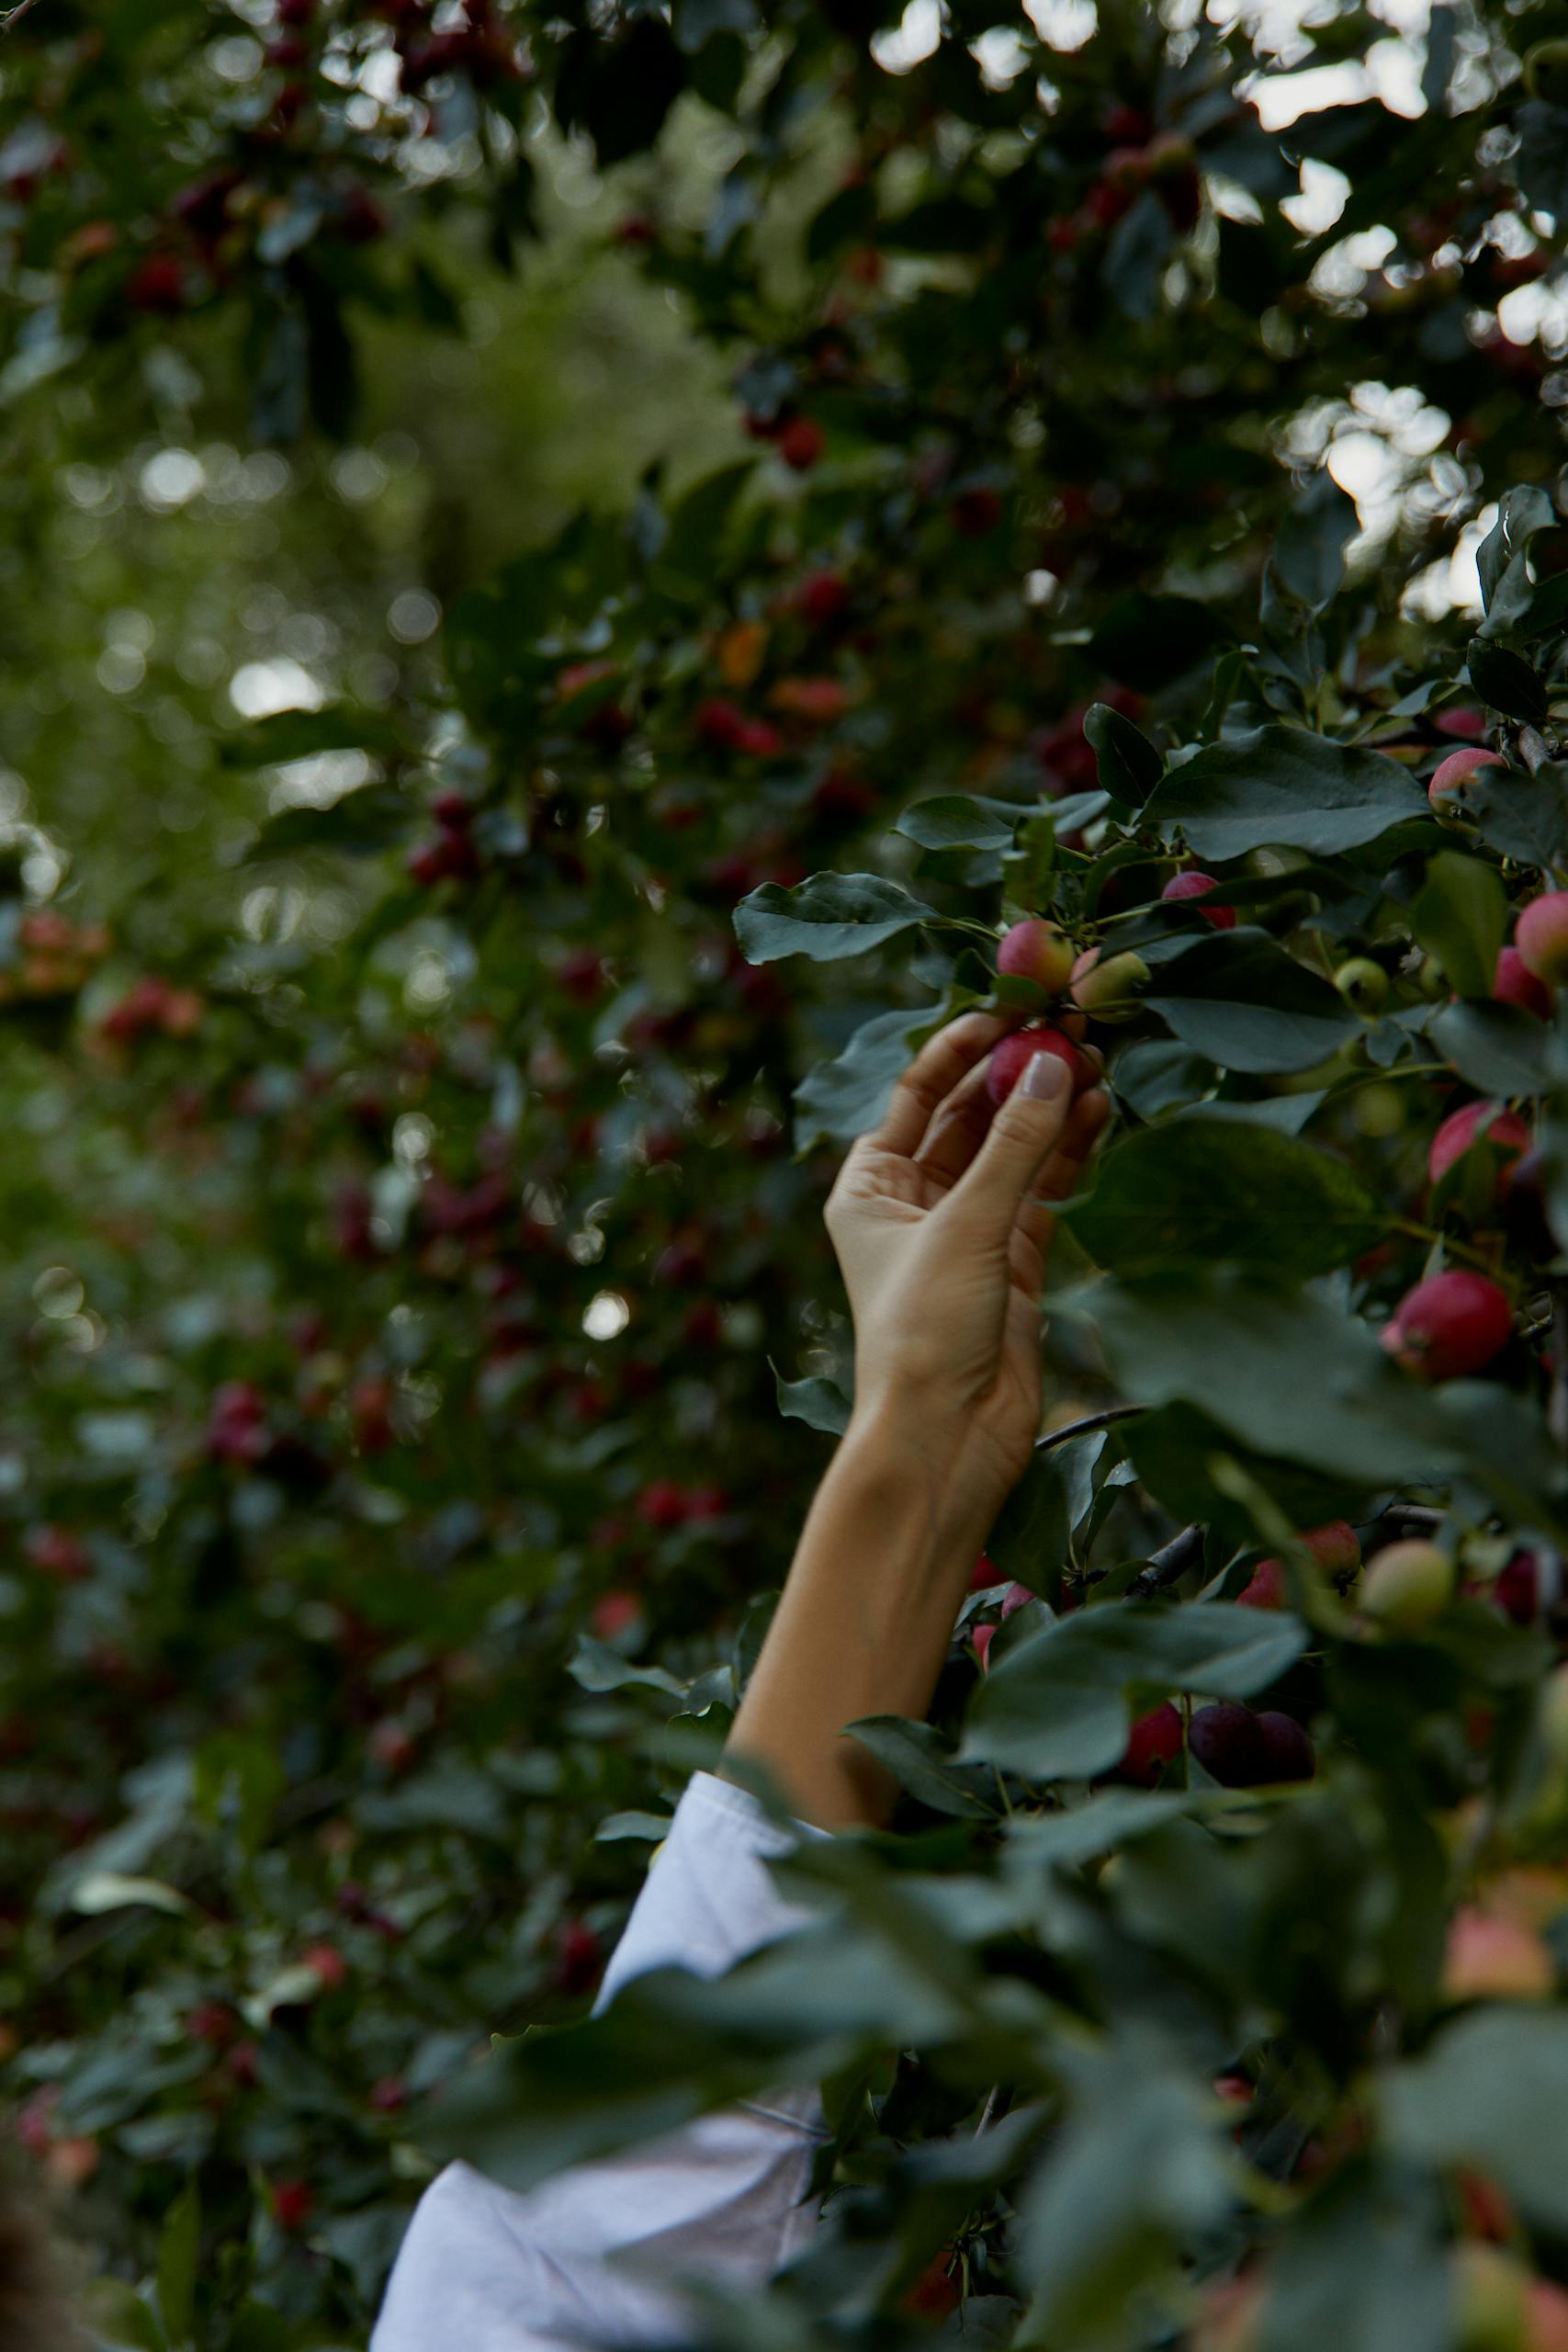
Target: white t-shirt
[592,2256]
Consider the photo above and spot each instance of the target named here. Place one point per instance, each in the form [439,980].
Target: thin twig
[13,16]
[1091,1422]
[1415,1514]
[1169,1564]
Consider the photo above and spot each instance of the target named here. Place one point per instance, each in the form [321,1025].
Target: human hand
[940,1223]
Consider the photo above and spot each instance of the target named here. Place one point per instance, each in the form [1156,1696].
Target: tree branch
[1090,1422]
[1169,1564]
[13,16]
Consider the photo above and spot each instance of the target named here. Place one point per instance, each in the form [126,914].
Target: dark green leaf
[1461,916]
[1309,554]
[1237,998]
[1278,787]
[841,1099]
[1288,1375]
[1507,681]
[817,1402]
[375,816]
[287,735]
[826,917]
[959,821]
[1498,1048]
[1219,1190]
[1129,766]
[921,1761]
[1523,816]
[179,2251]
[1057,1705]
[1491,2092]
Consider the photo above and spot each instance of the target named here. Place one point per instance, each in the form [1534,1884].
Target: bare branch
[1169,1564]
[1090,1422]
[13,16]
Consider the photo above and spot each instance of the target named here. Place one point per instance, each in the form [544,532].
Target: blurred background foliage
[473,513]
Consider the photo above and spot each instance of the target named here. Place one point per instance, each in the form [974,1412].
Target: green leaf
[920,1760]
[819,1403]
[286,735]
[1507,681]
[1461,917]
[1498,1048]
[1521,814]
[1362,2268]
[684,566]
[1057,1705]
[361,824]
[843,1098]
[1237,998]
[1137,2170]
[1288,1375]
[179,2253]
[1147,640]
[1278,787]
[1217,1190]
[122,2319]
[1309,554]
[826,917]
[961,820]
[599,1668]
[1129,766]
[1491,2091]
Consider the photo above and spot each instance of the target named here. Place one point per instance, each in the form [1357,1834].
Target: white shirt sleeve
[594,2257]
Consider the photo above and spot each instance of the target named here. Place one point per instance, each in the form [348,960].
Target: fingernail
[1045,1078]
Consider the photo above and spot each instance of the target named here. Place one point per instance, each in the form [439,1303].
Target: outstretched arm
[942,1228]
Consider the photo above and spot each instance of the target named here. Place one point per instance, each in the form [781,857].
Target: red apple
[1193,884]
[1449,1326]
[1446,791]
[1011,1057]
[1037,950]
[1478,1123]
[1514,983]
[1541,937]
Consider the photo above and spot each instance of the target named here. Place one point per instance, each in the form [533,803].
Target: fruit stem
[1455,1248]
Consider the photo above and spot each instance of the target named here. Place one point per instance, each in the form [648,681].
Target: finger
[942,1062]
[959,1128]
[1023,1134]
[1060,1175]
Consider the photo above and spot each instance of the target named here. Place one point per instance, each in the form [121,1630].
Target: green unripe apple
[1109,988]
[1408,1585]
[1431,980]
[1363,985]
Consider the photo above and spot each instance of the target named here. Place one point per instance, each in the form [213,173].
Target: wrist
[929,1455]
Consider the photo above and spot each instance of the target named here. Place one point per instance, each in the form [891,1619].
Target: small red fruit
[1449,1326]
[1193,885]
[1478,1123]
[579,1957]
[1012,1056]
[1037,950]
[327,1963]
[1514,983]
[1542,937]
[293,2201]
[802,443]
[1447,790]
[984,1572]
[1154,1741]
[1267,1587]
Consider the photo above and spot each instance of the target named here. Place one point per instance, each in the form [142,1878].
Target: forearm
[866,1615]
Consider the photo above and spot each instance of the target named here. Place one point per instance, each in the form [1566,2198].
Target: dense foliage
[427,1050]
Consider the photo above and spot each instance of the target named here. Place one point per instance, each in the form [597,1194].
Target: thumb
[1021,1137]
